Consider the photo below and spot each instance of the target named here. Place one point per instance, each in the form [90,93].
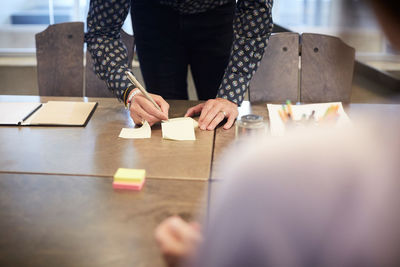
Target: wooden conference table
[96,150]
[57,205]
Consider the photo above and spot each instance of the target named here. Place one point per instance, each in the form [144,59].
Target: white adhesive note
[136,133]
[181,129]
[195,123]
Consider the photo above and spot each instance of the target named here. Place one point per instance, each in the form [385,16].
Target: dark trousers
[167,42]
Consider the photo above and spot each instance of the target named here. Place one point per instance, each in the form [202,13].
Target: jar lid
[252,118]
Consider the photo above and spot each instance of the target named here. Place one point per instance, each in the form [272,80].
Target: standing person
[222,41]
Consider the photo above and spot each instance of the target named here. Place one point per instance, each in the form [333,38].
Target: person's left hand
[213,112]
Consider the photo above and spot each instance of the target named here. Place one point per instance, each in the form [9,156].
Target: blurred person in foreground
[311,198]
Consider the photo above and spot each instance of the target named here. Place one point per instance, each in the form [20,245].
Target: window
[351,20]
[20,20]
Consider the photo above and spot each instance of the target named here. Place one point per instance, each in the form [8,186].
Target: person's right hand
[142,109]
[178,240]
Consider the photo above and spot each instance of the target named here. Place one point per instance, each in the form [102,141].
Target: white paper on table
[181,129]
[15,113]
[277,126]
[136,133]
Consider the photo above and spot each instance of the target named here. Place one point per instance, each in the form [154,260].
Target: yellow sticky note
[124,175]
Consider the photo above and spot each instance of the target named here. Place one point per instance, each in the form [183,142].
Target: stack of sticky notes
[131,179]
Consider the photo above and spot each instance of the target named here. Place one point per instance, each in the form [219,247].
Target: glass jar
[250,124]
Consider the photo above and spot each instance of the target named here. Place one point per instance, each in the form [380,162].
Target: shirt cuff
[233,88]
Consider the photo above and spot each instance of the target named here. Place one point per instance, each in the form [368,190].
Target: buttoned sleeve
[104,23]
[252,28]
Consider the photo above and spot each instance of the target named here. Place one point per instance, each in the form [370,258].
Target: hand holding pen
[144,106]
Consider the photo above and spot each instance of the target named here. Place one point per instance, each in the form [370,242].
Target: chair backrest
[327,66]
[276,79]
[59,54]
[60,65]
[325,73]
[94,86]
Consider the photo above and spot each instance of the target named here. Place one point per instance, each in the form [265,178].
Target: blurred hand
[213,112]
[177,239]
[143,110]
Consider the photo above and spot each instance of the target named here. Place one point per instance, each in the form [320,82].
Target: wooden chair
[276,79]
[59,54]
[327,66]
[60,65]
[325,73]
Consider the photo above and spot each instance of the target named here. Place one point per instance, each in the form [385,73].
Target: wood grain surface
[48,220]
[96,149]
[225,138]
[72,220]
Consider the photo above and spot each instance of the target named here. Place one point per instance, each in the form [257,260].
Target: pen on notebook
[142,90]
[30,114]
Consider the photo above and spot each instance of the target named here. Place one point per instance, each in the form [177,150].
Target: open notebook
[52,113]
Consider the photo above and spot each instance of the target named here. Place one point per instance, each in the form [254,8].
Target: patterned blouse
[252,27]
